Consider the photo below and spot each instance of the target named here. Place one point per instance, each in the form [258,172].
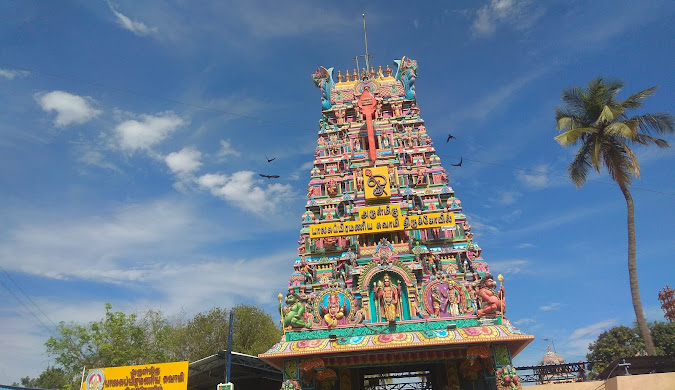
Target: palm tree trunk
[632,275]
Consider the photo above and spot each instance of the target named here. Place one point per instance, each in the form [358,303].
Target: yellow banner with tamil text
[161,376]
[381,219]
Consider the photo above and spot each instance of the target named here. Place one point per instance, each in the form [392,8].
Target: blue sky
[126,178]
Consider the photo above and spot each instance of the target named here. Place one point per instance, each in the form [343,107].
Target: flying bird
[460,163]
[450,136]
[270,159]
[269,176]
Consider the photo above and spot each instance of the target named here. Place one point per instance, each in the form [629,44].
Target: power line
[559,175]
[259,119]
[27,308]
[27,296]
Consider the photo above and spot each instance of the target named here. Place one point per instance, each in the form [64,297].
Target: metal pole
[82,381]
[551,340]
[357,67]
[365,38]
[229,349]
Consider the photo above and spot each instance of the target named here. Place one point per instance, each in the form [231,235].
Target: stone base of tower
[449,358]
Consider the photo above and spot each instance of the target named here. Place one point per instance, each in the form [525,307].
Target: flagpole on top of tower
[365,38]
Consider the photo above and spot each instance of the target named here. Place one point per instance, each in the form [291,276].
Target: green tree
[664,337]
[120,339]
[115,340]
[622,341]
[619,341]
[254,331]
[596,119]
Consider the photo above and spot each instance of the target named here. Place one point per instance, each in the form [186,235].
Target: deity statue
[340,115]
[451,301]
[307,271]
[334,311]
[293,314]
[341,272]
[392,176]
[420,177]
[323,78]
[407,73]
[388,298]
[331,187]
[385,141]
[358,181]
[492,301]
[436,302]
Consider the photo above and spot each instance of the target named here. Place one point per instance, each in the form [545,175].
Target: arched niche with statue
[386,291]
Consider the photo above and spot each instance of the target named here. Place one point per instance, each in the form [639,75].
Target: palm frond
[645,139]
[596,154]
[626,129]
[606,115]
[617,160]
[633,165]
[571,137]
[660,123]
[573,97]
[566,119]
[635,100]
[579,167]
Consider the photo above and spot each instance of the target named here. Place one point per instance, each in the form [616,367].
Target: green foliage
[596,118]
[622,341]
[120,339]
[254,332]
[664,337]
[51,378]
[619,341]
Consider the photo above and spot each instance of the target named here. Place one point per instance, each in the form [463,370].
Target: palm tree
[596,119]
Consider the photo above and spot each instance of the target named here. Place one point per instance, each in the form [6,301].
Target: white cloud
[525,321]
[70,109]
[96,158]
[226,149]
[502,95]
[136,27]
[519,14]
[593,329]
[509,267]
[185,161]
[10,74]
[507,197]
[133,135]
[550,307]
[244,191]
[537,178]
[303,169]
[59,247]
[582,337]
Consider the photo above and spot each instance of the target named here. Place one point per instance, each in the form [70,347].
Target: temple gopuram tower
[389,286]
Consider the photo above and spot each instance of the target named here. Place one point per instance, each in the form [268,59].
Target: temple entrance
[419,380]
[421,376]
